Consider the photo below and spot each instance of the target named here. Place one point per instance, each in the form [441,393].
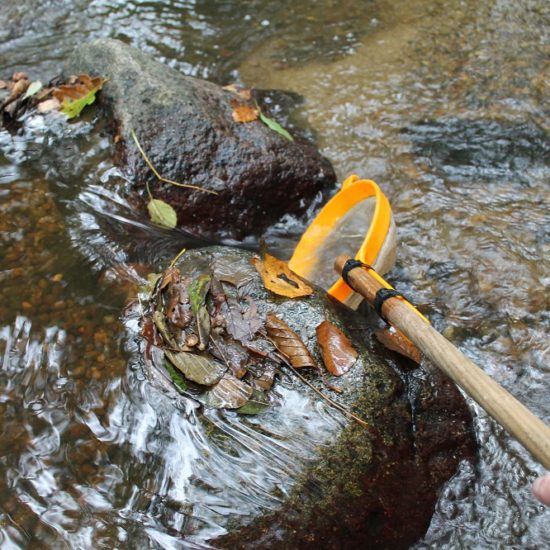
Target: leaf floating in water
[288,342]
[275,126]
[162,213]
[74,97]
[396,341]
[277,277]
[338,353]
[244,113]
[228,393]
[198,368]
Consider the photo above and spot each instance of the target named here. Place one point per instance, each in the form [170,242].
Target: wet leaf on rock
[244,113]
[75,96]
[228,393]
[198,368]
[245,93]
[338,353]
[33,89]
[257,403]
[198,289]
[177,309]
[275,126]
[277,277]
[395,340]
[162,213]
[234,355]
[177,378]
[232,272]
[288,342]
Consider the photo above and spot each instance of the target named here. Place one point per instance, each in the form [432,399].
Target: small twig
[165,180]
[341,408]
[177,257]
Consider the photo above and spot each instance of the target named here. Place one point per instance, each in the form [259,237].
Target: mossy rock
[303,475]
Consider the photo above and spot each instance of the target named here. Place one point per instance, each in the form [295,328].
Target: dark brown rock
[353,487]
[186,127]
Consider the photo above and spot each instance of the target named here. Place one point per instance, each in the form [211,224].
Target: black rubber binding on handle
[381,296]
[349,265]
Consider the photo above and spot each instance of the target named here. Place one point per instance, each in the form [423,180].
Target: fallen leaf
[252,317]
[33,89]
[236,325]
[177,309]
[176,377]
[245,93]
[48,105]
[257,403]
[288,342]
[19,87]
[277,277]
[338,353]
[19,75]
[232,272]
[396,341]
[162,213]
[74,97]
[198,368]
[233,354]
[265,376]
[275,126]
[245,113]
[198,289]
[228,393]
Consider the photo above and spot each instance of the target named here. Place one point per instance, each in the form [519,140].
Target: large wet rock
[301,474]
[186,127]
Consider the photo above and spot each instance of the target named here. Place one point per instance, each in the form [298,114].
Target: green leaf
[256,404]
[198,368]
[176,377]
[162,213]
[275,126]
[34,88]
[73,107]
[198,289]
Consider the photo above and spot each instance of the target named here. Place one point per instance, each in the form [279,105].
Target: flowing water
[443,103]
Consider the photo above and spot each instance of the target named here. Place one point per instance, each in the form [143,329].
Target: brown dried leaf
[245,93]
[398,342]
[178,311]
[245,113]
[288,342]
[338,353]
[277,277]
[80,86]
[19,75]
[48,105]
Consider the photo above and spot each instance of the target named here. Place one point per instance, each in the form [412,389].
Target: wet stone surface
[357,486]
[185,125]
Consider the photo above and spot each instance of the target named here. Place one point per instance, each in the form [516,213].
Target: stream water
[444,103]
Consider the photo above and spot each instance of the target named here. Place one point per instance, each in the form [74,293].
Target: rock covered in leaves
[298,473]
[187,128]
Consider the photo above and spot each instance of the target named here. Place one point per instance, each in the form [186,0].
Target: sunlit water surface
[445,104]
